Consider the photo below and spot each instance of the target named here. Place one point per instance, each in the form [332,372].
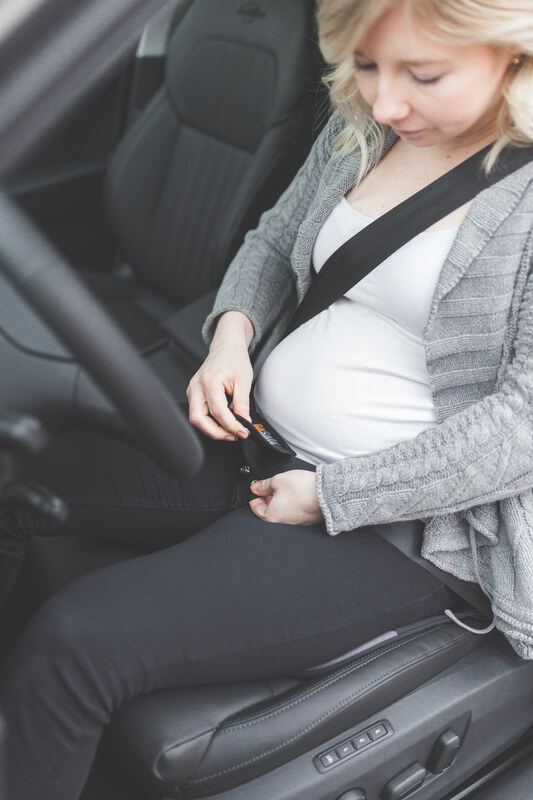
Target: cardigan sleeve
[482,454]
[259,281]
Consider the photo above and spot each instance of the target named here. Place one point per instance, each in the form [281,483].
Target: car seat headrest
[229,60]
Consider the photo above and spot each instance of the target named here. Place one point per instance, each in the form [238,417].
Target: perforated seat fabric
[215,147]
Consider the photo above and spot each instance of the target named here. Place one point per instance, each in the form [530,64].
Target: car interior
[140,198]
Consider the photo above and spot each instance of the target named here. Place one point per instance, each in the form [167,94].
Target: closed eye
[425,80]
[364,67]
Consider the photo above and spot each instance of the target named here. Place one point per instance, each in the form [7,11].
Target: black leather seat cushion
[196,742]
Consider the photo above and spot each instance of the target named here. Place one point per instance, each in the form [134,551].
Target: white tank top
[353,379]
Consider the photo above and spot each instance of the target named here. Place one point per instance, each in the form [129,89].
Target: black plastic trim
[501,765]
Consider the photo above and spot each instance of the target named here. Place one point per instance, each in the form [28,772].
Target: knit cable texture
[469,478]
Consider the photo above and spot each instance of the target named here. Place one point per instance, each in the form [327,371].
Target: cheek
[450,113]
[460,108]
[468,100]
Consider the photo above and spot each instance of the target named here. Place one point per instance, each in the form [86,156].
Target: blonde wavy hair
[506,24]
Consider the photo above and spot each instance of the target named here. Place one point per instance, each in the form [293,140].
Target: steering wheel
[41,275]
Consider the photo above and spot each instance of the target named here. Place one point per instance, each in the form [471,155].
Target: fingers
[262,488]
[217,403]
[241,399]
[208,426]
[226,372]
[199,414]
[259,507]
[209,410]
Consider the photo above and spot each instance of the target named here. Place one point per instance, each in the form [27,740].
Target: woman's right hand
[226,372]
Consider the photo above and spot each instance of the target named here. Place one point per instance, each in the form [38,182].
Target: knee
[61,653]
[55,634]
[56,629]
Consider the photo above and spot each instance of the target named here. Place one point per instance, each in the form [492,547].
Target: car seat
[216,146]
[416,711]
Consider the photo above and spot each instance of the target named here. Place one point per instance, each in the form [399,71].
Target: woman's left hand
[288,497]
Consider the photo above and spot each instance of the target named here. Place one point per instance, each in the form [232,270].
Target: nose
[390,103]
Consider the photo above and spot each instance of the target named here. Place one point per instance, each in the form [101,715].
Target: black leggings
[223,597]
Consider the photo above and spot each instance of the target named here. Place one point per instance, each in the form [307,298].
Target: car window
[55,53]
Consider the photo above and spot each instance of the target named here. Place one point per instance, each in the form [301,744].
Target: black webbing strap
[371,246]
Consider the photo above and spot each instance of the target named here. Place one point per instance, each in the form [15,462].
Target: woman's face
[430,93]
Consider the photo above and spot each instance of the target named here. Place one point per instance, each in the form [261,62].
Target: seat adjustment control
[353,794]
[405,783]
[329,758]
[444,751]
[342,751]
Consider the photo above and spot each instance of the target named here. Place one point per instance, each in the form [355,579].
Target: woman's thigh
[114,491]
[241,599]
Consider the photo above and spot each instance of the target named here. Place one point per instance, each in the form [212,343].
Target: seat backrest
[217,144]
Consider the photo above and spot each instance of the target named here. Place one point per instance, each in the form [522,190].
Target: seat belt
[363,252]
[357,257]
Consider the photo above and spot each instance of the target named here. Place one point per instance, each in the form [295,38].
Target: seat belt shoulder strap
[357,257]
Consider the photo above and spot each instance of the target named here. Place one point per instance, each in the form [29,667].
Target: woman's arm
[482,454]
[258,281]
[257,284]
[227,371]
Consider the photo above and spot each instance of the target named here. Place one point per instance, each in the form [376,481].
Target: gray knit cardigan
[470,477]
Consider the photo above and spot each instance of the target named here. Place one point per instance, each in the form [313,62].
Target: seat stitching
[323,684]
[129,143]
[330,712]
[168,750]
[328,682]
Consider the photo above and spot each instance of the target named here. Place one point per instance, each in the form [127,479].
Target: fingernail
[243,434]
[230,438]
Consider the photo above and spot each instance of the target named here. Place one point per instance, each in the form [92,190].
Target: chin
[427,139]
